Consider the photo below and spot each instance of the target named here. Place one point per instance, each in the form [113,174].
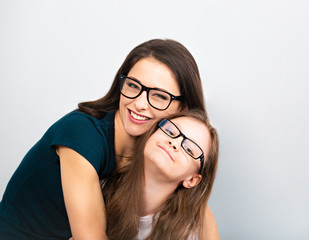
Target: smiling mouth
[167,152]
[138,117]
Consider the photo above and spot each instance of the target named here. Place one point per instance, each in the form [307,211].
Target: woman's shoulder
[79,126]
[80,118]
[92,138]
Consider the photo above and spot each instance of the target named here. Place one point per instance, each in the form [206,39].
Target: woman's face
[166,157]
[136,114]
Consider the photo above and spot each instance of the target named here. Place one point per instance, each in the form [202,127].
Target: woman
[55,193]
[173,169]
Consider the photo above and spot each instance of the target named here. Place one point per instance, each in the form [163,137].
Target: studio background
[253,58]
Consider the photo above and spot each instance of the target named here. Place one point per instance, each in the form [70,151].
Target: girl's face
[168,160]
[136,115]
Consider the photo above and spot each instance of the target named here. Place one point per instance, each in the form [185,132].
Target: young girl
[168,183]
[55,193]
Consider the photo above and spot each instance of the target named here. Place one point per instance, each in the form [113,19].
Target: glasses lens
[130,88]
[169,128]
[188,145]
[159,99]
[192,148]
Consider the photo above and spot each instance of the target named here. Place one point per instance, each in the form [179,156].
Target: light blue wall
[253,59]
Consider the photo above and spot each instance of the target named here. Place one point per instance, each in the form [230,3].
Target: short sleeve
[81,133]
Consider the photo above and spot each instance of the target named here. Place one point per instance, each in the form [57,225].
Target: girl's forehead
[184,123]
[193,129]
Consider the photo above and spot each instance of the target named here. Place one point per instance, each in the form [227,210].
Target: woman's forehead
[153,73]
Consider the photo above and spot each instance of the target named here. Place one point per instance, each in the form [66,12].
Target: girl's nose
[173,143]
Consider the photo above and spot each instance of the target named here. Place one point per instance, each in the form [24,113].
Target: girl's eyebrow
[177,124]
[190,138]
[179,127]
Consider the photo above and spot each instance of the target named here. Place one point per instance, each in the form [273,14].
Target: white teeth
[137,117]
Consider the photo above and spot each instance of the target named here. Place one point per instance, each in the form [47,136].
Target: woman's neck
[124,143]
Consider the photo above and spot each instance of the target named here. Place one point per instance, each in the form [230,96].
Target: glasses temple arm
[202,163]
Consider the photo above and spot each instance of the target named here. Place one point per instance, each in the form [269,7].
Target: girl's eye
[188,150]
[170,132]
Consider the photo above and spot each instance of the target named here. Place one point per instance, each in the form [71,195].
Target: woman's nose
[141,102]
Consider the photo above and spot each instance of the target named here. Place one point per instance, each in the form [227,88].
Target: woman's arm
[210,229]
[82,196]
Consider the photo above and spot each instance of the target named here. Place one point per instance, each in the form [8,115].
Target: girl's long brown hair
[169,52]
[181,214]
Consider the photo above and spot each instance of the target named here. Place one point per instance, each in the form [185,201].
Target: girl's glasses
[190,147]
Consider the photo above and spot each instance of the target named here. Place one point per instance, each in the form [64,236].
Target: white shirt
[145,227]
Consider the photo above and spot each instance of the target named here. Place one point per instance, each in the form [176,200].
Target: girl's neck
[155,193]
[124,143]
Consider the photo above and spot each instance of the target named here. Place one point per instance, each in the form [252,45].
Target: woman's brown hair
[181,214]
[167,51]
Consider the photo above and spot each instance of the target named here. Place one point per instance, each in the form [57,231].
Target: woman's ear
[192,181]
[183,107]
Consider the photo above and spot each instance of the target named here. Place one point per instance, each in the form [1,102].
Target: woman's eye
[133,85]
[160,96]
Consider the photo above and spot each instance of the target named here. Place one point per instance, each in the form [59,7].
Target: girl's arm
[210,229]
[82,196]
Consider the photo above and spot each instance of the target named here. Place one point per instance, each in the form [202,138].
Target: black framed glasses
[157,98]
[190,147]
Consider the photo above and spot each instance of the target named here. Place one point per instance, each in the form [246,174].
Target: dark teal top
[33,206]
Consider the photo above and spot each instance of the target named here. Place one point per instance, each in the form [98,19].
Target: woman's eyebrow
[135,79]
[158,88]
